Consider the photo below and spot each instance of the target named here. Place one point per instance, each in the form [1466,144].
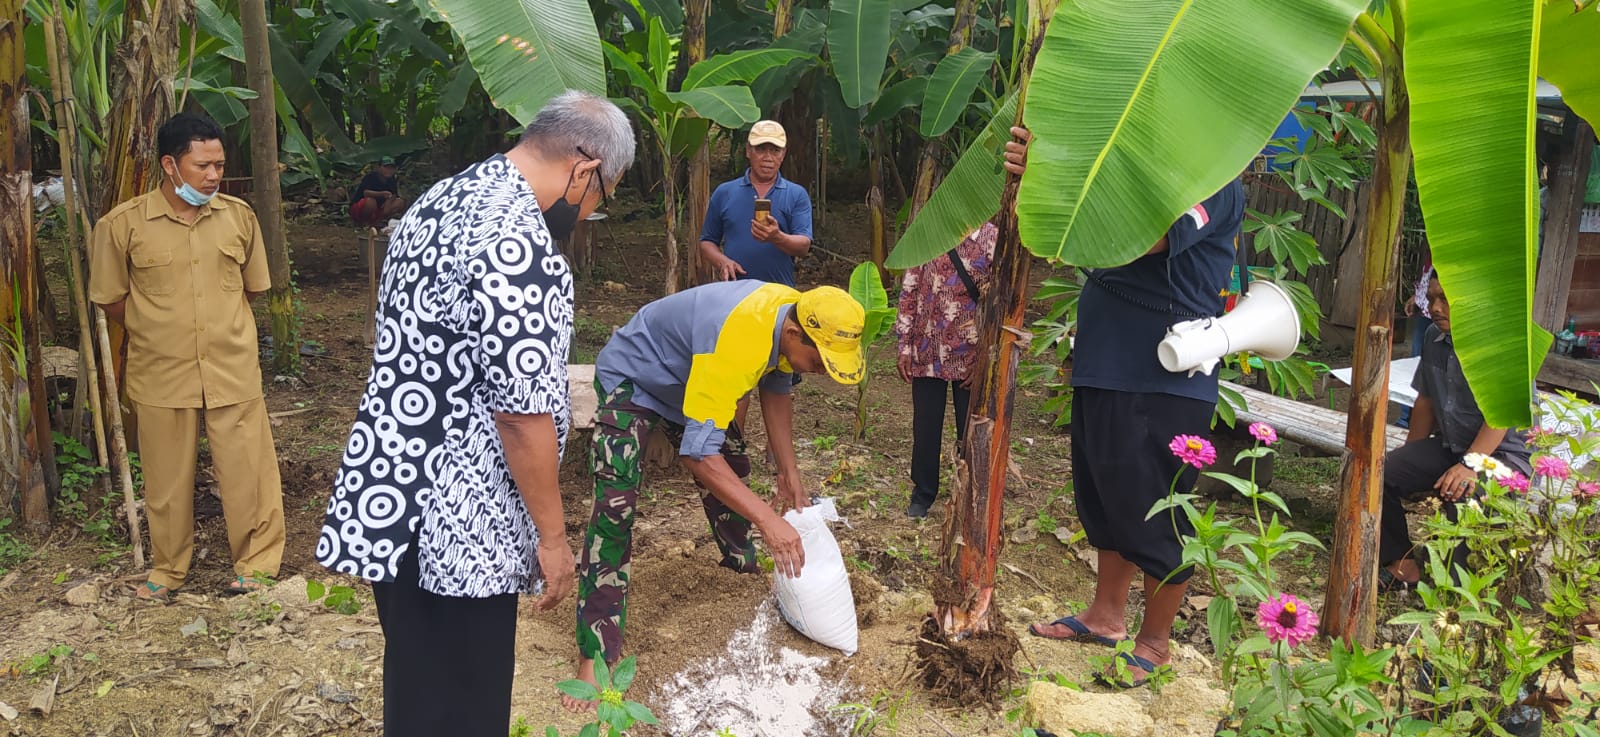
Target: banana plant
[868,291]
[714,91]
[1166,129]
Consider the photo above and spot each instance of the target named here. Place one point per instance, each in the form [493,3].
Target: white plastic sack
[818,602]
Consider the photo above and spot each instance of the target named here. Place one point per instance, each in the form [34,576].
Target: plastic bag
[818,602]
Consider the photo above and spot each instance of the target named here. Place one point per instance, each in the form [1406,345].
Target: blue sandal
[1080,632]
[1116,681]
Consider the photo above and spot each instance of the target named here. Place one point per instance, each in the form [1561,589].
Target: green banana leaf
[529,51]
[1140,110]
[729,106]
[858,44]
[899,96]
[966,199]
[296,83]
[868,291]
[1476,184]
[219,24]
[1567,58]
[951,88]
[738,66]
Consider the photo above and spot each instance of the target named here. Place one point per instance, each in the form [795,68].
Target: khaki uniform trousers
[247,478]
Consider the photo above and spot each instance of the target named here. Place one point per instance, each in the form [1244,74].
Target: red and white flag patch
[1198,215]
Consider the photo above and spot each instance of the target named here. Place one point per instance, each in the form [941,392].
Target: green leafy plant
[339,598]
[12,550]
[881,712]
[866,286]
[614,713]
[41,664]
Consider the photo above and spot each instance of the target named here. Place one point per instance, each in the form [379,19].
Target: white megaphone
[1263,322]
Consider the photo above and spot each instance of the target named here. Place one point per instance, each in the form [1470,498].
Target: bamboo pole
[66,137]
[67,132]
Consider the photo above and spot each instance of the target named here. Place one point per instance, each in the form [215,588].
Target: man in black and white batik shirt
[447,499]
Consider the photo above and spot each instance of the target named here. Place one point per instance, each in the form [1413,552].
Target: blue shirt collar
[779,183]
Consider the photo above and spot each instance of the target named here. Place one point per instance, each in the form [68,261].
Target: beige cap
[768,131]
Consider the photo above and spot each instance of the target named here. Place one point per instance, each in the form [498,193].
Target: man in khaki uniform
[179,266]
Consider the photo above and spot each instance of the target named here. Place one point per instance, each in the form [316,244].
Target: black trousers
[447,660]
[927,432]
[1409,473]
[1121,466]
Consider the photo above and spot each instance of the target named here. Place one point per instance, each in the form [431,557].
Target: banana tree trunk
[264,181]
[693,51]
[964,589]
[669,198]
[928,161]
[1350,612]
[26,453]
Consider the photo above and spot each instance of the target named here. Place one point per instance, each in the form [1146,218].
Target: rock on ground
[1188,707]
[84,594]
[1064,712]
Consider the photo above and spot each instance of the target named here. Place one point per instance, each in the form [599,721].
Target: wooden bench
[1307,424]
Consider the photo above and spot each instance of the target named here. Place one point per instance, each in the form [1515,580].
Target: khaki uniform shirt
[191,333]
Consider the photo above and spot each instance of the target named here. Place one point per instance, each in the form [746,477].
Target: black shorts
[1121,466]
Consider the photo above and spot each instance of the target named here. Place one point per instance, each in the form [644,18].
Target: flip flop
[1390,583]
[243,585]
[1130,659]
[156,593]
[1080,632]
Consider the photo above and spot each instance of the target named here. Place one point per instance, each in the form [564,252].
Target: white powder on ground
[754,688]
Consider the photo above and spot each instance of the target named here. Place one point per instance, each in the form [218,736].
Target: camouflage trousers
[621,429]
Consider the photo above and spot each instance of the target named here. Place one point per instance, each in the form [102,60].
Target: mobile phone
[763,209]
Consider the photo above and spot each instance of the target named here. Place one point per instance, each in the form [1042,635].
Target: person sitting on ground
[1445,426]
[683,362]
[377,197]
[938,331]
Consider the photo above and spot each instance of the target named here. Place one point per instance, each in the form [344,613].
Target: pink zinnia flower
[1586,490]
[1193,450]
[1516,482]
[1551,467]
[1263,432]
[1285,618]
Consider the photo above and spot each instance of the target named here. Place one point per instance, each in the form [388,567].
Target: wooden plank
[1307,424]
[1560,250]
[580,384]
[1347,285]
[1570,373]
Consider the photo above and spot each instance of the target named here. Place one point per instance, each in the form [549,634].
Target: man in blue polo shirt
[1126,409]
[734,242]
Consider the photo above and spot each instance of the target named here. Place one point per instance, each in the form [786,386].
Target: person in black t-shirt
[377,197]
[1126,409]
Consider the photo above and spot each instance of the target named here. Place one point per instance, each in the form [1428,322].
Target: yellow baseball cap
[834,320]
[768,131]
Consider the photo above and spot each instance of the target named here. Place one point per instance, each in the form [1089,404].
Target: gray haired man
[447,497]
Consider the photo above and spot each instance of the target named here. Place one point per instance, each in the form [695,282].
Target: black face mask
[561,217]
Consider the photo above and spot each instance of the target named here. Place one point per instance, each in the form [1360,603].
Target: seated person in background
[1445,426]
[377,198]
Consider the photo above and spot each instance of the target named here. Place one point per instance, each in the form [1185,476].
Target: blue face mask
[190,194]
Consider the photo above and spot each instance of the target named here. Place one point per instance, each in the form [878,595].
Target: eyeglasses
[605,201]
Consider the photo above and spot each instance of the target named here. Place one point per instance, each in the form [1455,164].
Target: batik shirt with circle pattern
[474,317]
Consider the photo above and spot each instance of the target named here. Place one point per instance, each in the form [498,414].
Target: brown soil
[274,664]
[979,667]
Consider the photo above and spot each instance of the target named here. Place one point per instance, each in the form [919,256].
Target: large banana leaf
[1475,180]
[899,96]
[297,85]
[965,200]
[867,289]
[528,51]
[1567,55]
[1140,110]
[738,66]
[951,88]
[729,106]
[858,44]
